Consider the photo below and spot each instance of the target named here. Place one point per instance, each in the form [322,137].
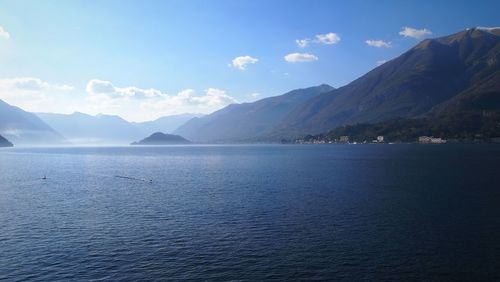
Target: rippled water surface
[251,213]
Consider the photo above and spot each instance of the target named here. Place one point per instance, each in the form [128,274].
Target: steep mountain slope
[248,121]
[4,142]
[23,128]
[81,128]
[451,73]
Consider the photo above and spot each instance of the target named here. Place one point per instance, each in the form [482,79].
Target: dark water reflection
[339,212]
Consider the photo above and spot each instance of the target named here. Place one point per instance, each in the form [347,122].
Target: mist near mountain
[80,128]
[440,77]
[24,128]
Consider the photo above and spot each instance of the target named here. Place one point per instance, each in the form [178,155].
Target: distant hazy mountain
[4,142]
[460,72]
[159,138]
[247,121]
[23,128]
[81,128]
[166,124]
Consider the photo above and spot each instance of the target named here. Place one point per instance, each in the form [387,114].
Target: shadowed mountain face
[460,72]
[4,142]
[159,138]
[25,128]
[248,121]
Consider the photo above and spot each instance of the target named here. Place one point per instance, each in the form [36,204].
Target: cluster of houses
[430,140]
[342,139]
[380,139]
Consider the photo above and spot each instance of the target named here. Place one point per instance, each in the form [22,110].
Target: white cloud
[151,103]
[255,95]
[300,57]
[100,96]
[242,62]
[213,97]
[32,85]
[4,33]
[328,38]
[415,33]
[303,42]
[34,94]
[101,87]
[378,43]
[188,101]
[381,62]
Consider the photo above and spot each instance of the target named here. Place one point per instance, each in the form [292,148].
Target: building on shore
[380,139]
[344,139]
[431,140]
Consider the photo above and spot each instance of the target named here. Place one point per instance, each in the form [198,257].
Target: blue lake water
[251,213]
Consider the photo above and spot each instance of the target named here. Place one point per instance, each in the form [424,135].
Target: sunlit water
[251,213]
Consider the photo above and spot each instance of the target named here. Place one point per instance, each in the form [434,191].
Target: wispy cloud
[300,58]
[328,39]
[381,62]
[4,33]
[188,101]
[148,104]
[415,33]
[303,42]
[242,62]
[30,84]
[378,43]
[103,87]
[34,94]
[325,39]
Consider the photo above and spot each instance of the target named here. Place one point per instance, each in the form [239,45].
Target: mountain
[4,142]
[437,77]
[165,124]
[247,121]
[25,128]
[81,128]
[159,138]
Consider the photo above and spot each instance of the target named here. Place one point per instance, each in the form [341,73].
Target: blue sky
[145,59]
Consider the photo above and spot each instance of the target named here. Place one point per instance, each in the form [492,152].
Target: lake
[400,212]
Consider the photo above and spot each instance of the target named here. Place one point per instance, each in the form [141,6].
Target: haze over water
[250,213]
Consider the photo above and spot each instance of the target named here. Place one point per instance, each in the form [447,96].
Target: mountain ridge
[26,128]
[81,128]
[243,122]
[411,85]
